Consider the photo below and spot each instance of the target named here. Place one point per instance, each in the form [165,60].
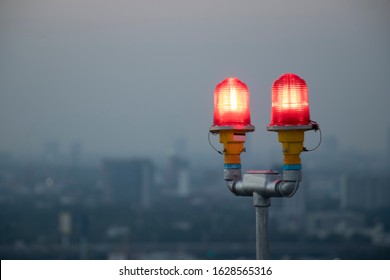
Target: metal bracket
[266,183]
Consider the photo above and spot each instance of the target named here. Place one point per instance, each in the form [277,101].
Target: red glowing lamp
[231,106]
[290,105]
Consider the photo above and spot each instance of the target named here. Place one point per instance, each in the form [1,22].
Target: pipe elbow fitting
[230,184]
[287,188]
[236,187]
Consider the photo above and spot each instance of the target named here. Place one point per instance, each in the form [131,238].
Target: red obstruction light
[290,105]
[231,105]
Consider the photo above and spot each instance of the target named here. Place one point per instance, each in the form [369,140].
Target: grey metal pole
[262,216]
[262,241]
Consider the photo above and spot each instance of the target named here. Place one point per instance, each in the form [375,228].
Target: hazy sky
[130,77]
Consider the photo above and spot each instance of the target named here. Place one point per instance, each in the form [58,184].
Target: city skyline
[110,211]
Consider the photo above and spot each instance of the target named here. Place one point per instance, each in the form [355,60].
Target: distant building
[179,175]
[325,223]
[183,182]
[178,171]
[366,192]
[129,181]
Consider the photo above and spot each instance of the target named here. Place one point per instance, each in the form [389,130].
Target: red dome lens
[231,103]
[290,105]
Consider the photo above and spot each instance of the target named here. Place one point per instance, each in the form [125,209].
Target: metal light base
[238,127]
[262,185]
[290,127]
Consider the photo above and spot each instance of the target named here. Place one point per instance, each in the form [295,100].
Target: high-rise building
[178,177]
[178,171]
[129,181]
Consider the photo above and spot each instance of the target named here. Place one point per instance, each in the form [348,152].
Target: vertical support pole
[261,205]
